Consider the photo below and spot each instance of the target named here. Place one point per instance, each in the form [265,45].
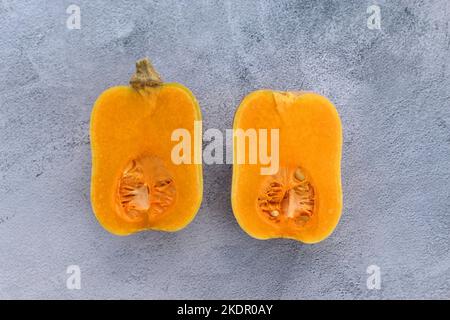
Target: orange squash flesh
[135,185]
[303,201]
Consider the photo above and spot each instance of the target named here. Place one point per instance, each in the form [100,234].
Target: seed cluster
[142,193]
[288,196]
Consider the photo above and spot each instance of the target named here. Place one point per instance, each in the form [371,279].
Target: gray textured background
[391,87]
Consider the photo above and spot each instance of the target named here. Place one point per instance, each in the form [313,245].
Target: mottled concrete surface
[391,87]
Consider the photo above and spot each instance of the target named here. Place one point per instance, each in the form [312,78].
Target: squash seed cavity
[146,189]
[288,196]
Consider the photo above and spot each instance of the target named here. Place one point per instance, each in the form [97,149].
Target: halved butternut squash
[302,200]
[135,184]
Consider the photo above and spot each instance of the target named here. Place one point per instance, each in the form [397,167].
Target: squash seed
[298,174]
[274,213]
